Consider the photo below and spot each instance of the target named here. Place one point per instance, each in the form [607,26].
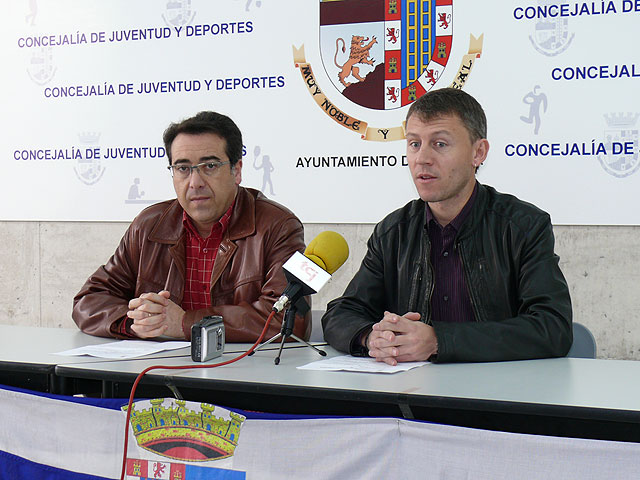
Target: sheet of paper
[123,349]
[359,364]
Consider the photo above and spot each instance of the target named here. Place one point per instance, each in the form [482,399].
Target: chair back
[584,344]
[317,334]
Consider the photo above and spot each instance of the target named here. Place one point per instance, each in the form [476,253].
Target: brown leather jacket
[247,275]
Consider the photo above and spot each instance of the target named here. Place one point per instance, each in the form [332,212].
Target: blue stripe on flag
[109,403]
[207,473]
[14,467]
[117,403]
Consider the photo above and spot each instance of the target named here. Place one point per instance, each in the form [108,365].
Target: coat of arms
[621,132]
[384,54]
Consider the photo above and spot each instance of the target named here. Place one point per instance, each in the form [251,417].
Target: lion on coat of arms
[359,53]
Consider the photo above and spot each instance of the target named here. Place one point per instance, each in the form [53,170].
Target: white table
[28,355]
[562,396]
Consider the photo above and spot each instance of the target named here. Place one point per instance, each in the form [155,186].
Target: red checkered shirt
[201,254]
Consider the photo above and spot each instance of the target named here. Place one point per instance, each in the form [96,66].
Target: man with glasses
[218,249]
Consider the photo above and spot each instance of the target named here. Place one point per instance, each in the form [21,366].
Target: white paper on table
[123,349]
[359,364]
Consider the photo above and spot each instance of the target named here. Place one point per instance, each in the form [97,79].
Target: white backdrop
[80,80]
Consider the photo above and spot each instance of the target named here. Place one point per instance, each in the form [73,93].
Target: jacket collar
[169,228]
[459,219]
[243,219]
[477,211]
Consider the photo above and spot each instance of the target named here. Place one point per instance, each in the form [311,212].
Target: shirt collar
[457,222]
[222,223]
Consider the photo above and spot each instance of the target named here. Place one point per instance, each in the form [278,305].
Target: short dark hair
[452,101]
[208,122]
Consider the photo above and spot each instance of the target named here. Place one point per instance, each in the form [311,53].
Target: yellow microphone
[308,273]
[329,250]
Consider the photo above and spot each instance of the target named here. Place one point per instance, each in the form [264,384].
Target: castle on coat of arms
[178,432]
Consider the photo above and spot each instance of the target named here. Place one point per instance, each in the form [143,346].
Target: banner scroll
[375,134]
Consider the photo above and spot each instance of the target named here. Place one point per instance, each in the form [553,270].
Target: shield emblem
[384,54]
[89,171]
[621,131]
[178,12]
[551,35]
[41,69]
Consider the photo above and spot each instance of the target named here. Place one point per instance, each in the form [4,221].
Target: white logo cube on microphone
[308,272]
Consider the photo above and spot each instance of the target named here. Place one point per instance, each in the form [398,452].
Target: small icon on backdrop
[535,99]
[89,168]
[551,36]
[266,166]
[136,193]
[257,3]
[41,69]
[178,12]
[621,143]
[30,19]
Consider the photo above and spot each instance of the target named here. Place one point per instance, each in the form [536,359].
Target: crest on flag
[385,54]
[140,469]
[184,430]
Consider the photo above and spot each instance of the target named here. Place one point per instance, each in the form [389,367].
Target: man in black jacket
[463,274]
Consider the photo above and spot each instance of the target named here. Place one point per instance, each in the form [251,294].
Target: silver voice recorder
[207,338]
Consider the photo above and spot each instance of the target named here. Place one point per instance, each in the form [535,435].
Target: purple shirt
[450,301]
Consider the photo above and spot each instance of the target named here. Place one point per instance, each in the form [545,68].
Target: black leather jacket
[519,296]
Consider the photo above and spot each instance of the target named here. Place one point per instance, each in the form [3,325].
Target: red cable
[180,367]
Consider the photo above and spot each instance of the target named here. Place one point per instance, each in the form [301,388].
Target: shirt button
[445,298]
[204,250]
[445,254]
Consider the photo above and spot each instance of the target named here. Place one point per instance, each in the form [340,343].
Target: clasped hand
[401,338]
[153,314]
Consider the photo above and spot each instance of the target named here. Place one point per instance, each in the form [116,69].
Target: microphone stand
[286,331]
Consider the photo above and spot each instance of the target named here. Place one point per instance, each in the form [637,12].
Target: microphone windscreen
[328,250]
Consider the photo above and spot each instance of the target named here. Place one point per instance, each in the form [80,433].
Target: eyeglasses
[183,171]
